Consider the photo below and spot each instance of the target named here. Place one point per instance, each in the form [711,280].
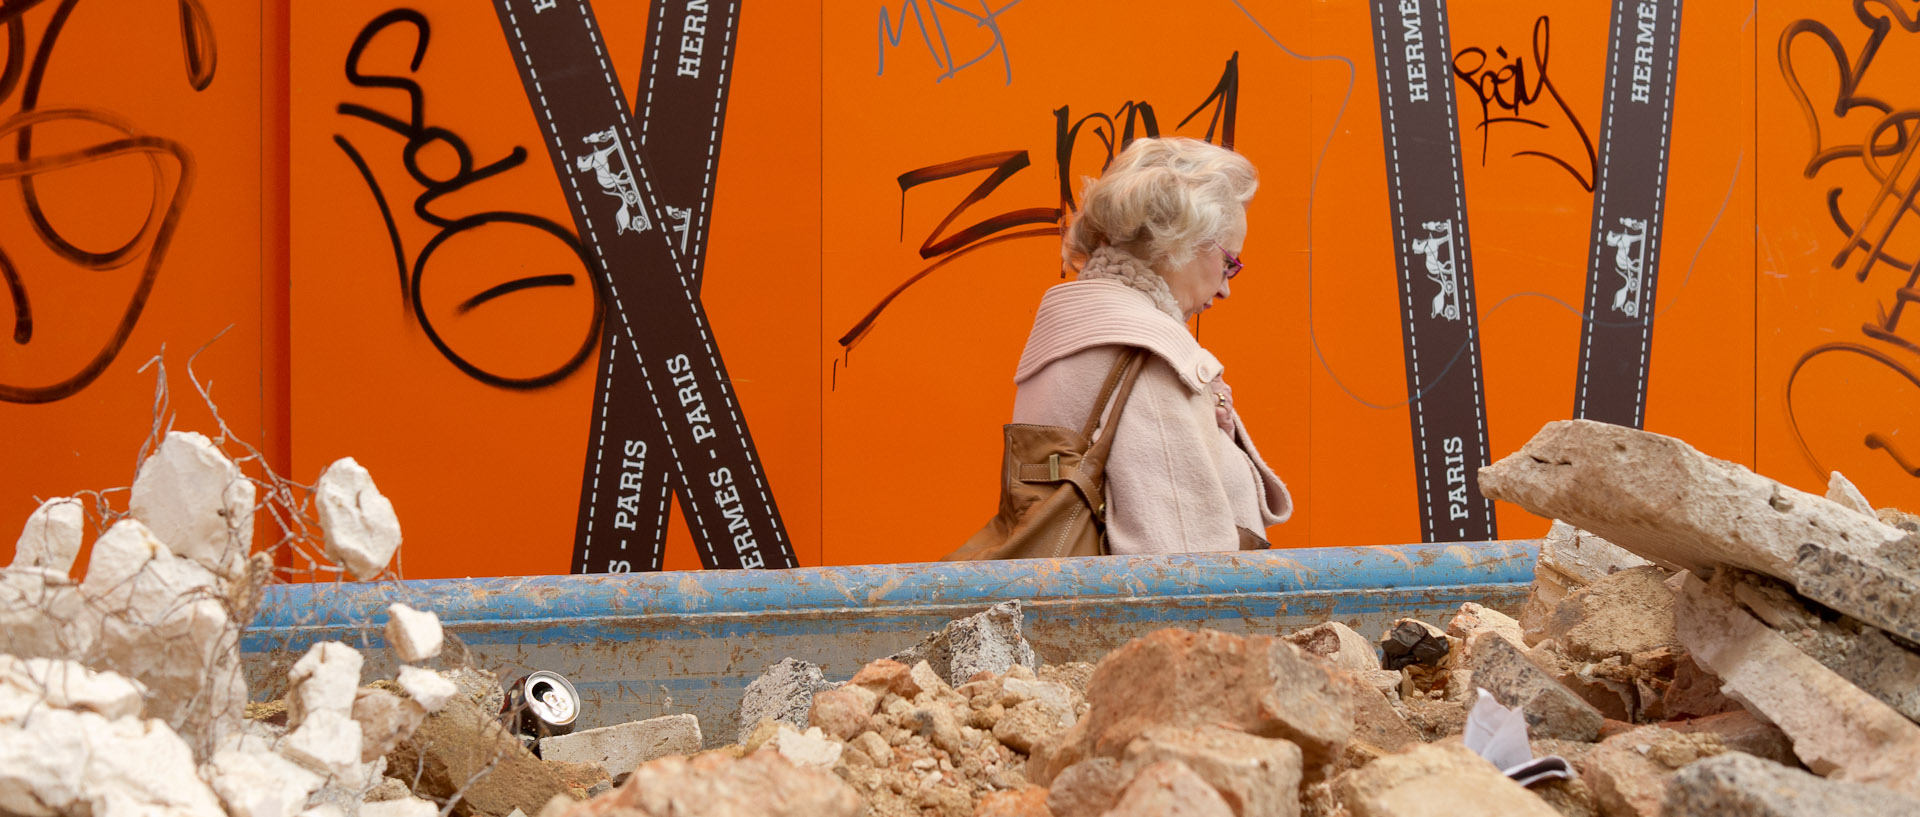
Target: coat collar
[1079,315]
[1114,264]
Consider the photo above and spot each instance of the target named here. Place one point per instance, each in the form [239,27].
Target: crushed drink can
[542,704]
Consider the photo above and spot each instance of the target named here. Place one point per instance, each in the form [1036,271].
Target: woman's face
[1203,278]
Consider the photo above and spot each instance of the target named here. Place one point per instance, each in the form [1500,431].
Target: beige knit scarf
[1111,264]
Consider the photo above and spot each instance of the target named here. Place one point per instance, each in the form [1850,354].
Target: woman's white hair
[1161,200]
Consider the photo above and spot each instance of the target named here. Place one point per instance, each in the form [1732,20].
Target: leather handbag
[1053,482]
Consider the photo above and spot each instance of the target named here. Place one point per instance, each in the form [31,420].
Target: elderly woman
[1156,242]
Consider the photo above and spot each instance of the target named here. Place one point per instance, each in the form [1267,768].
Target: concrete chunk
[43,682]
[385,719]
[1028,801]
[478,685]
[1619,616]
[1841,491]
[1582,556]
[1030,723]
[361,529]
[1378,728]
[1182,678]
[1877,591]
[164,621]
[402,807]
[1169,789]
[1838,730]
[44,615]
[988,641]
[620,749]
[327,743]
[1900,519]
[811,748]
[197,501]
[427,688]
[1657,496]
[932,687]
[325,678]
[1740,731]
[1433,780]
[1695,692]
[1055,695]
[783,693]
[1860,654]
[1474,619]
[1552,710]
[843,712]
[1570,558]
[1339,644]
[1257,777]
[52,536]
[259,784]
[1737,783]
[62,762]
[884,675]
[1087,788]
[130,551]
[1629,771]
[763,784]
[413,635]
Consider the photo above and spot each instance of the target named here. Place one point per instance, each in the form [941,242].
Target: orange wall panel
[885,198]
[131,222]
[1837,352]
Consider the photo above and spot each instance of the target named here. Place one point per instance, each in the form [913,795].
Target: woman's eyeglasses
[1234,265]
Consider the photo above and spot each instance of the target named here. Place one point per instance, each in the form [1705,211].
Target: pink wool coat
[1176,482]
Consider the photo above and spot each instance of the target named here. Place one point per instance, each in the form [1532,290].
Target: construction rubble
[1698,640]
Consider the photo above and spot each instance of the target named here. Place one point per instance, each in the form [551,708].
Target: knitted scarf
[1111,264]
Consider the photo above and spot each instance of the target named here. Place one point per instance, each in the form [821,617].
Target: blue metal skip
[641,645]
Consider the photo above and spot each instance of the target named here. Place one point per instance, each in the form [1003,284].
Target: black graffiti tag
[419,137]
[1889,135]
[155,233]
[1508,99]
[1111,133]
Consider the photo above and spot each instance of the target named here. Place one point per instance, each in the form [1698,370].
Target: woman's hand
[1222,395]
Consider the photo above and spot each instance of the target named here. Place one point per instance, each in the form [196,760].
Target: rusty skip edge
[1180,588]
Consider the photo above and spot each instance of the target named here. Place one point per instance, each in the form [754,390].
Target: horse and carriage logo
[1437,248]
[1629,260]
[619,183]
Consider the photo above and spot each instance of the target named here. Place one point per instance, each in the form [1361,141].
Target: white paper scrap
[1499,734]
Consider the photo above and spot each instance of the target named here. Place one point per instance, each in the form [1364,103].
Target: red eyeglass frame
[1234,264]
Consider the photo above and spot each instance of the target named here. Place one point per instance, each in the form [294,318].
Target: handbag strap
[1119,386]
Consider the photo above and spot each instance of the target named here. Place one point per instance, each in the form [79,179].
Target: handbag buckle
[1053,467]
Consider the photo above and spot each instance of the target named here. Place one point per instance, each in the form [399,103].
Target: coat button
[1207,369]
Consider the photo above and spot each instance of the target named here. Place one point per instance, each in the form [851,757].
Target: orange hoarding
[1835,256]
[138,213]
[606,287]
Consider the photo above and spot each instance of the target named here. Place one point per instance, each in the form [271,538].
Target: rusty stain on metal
[1303,576]
[691,589]
[1491,553]
[839,583]
[881,592]
[1393,551]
